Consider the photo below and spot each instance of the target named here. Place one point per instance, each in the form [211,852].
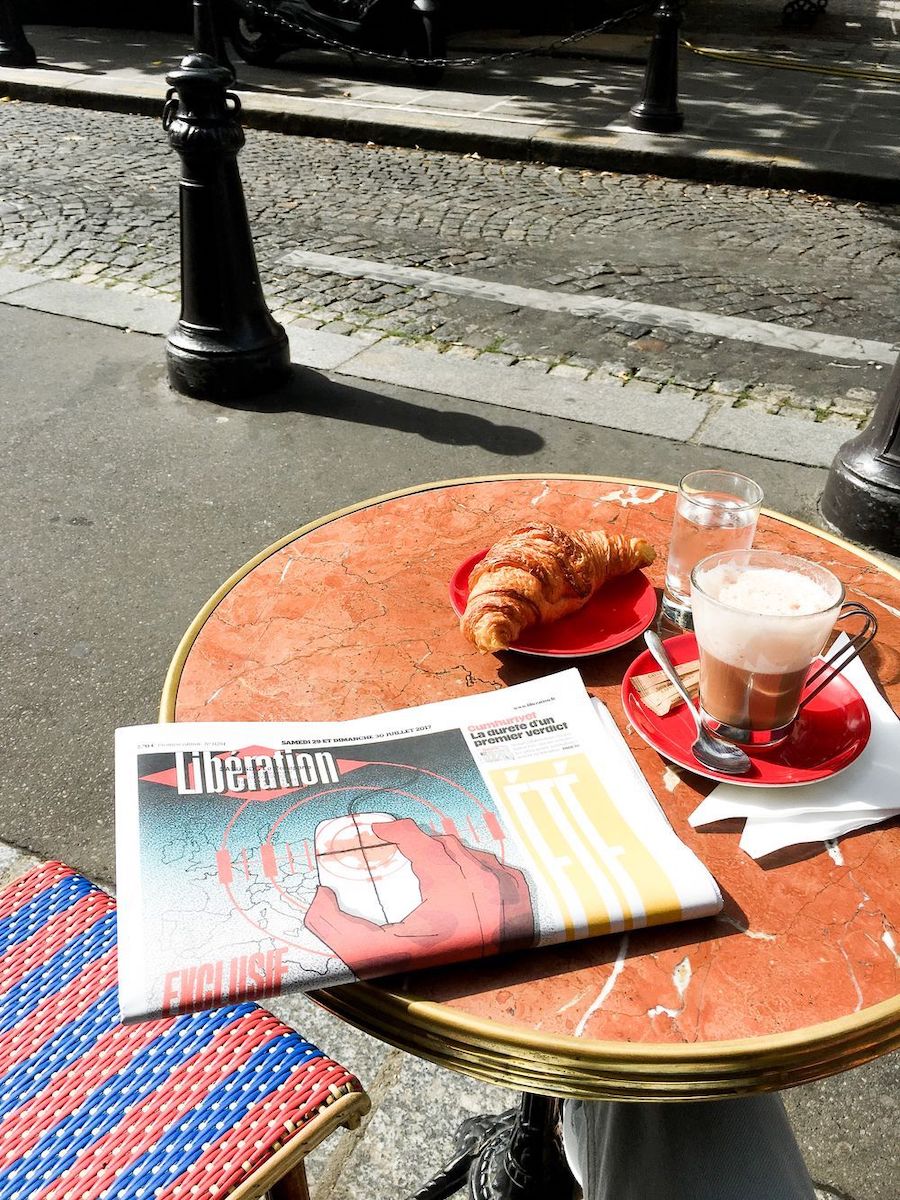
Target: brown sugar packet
[659,695]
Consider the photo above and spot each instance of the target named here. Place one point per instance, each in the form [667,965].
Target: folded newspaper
[258,858]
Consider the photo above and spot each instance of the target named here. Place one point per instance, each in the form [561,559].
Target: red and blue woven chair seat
[189,1106]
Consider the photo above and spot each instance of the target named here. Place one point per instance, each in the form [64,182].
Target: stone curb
[635,405]
[616,149]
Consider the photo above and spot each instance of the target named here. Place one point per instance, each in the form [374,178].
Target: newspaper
[257,858]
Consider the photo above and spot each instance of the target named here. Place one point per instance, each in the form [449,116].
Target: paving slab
[124,310]
[13,280]
[787,438]
[595,403]
[326,351]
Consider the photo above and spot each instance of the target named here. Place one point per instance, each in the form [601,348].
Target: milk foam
[774,620]
[766,590]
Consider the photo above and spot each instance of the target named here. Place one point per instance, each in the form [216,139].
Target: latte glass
[761,619]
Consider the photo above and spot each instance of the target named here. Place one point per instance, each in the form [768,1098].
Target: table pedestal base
[514,1156]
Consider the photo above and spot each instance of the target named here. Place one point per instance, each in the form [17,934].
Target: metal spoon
[708,750]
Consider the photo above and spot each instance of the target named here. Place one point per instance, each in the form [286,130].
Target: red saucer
[621,610]
[830,732]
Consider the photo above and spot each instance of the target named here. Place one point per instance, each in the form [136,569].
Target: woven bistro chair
[198,1107]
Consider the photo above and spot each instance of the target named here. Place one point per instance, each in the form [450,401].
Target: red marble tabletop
[796,979]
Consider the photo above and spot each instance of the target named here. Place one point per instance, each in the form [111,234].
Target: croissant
[540,573]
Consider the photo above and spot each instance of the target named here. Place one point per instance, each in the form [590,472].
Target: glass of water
[714,511]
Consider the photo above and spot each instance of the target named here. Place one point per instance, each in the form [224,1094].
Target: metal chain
[506,56]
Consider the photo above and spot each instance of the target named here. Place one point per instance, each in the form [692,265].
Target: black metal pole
[208,36]
[225,345]
[15,48]
[530,1166]
[657,110]
[862,494]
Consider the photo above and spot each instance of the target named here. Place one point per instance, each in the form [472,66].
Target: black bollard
[657,110]
[226,344]
[15,48]
[862,494]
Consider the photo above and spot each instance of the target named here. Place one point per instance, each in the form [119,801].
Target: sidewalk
[820,115]
[699,418]
[132,504]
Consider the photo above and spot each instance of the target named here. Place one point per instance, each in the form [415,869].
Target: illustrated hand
[462,890]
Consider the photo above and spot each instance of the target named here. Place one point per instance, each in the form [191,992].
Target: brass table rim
[564,1051]
[438,1017]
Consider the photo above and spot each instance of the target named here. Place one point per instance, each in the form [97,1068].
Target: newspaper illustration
[255,858]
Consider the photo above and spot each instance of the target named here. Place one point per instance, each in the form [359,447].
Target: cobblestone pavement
[93,196]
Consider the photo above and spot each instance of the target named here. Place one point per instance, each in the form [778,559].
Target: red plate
[830,732]
[622,609]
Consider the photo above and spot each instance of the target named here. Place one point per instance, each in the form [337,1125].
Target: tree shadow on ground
[733,109]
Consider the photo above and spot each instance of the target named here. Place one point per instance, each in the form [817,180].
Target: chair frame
[283,1175]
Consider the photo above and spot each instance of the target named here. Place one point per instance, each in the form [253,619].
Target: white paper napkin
[867,792]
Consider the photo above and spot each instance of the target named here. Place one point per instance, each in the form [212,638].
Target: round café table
[795,980]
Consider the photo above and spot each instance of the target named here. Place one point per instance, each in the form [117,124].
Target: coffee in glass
[761,618]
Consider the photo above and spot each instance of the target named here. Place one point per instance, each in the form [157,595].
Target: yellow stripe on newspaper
[600,875]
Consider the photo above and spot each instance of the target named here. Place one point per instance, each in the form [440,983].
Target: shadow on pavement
[310,392]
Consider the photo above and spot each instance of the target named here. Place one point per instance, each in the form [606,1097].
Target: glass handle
[858,642]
